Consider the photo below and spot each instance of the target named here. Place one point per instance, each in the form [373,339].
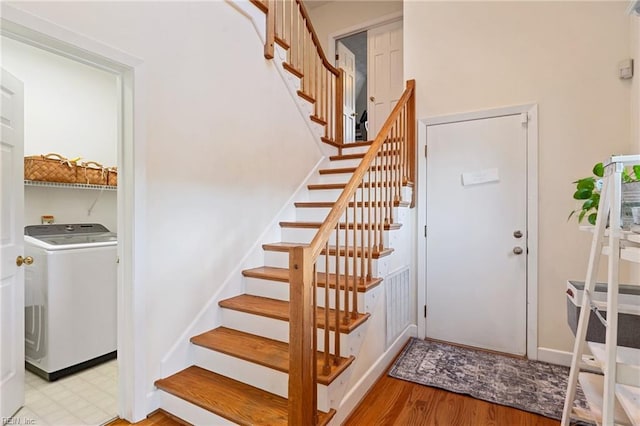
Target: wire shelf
[70,185]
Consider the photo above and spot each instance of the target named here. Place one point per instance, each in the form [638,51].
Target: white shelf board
[69,185]
[629,397]
[628,362]
[593,388]
[627,160]
[631,254]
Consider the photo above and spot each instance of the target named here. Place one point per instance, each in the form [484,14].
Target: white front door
[347,61]
[11,246]
[476,197]
[385,82]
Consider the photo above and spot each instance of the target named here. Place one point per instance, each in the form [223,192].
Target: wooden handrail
[289,25]
[375,188]
[387,166]
[329,224]
[315,39]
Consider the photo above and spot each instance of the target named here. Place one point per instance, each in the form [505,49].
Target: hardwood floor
[158,418]
[393,402]
[397,402]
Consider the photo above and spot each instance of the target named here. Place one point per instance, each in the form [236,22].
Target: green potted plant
[588,193]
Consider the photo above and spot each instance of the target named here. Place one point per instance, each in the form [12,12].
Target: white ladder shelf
[614,396]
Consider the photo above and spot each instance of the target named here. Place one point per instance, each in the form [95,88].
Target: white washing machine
[70,298]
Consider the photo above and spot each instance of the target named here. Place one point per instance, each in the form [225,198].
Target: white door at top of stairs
[385,80]
[476,248]
[347,61]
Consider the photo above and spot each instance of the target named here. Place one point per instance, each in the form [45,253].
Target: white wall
[226,145]
[71,206]
[70,109]
[469,56]
[340,15]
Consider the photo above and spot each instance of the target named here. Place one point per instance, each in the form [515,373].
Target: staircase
[317,286]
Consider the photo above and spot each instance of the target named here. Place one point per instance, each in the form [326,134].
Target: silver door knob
[517,234]
[517,250]
[372,98]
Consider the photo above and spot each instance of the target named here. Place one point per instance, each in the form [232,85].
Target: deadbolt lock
[517,234]
[26,260]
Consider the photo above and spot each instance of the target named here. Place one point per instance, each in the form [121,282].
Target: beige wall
[341,15]
[468,56]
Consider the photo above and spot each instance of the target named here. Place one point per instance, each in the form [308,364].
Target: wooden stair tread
[330,204]
[293,70]
[360,144]
[279,309]
[284,247]
[272,273]
[306,97]
[361,155]
[341,185]
[260,350]
[342,170]
[318,120]
[228,398]
[316,225]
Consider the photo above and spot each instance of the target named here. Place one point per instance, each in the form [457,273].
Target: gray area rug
[531,386]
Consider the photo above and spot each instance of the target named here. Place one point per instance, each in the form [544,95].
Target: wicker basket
[113,176]
[92,173]
[49,168]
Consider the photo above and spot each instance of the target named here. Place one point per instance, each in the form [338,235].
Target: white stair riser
[305,235]
[279,290]
[318,214]
[344,177]
[345,163]
[281,260]
[190,412]
[256,375]
[333,194]
[279,330]
[347,149]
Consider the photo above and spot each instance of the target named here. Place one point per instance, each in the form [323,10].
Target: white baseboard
[355,395]
[554,356]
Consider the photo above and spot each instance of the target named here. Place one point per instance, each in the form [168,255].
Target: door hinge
[524,118]
[425,311]
[425,231]
[337,57]
[425,151]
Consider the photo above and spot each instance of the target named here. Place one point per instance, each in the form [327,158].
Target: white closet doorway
[378,81]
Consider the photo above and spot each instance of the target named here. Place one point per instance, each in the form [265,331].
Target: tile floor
[85,398]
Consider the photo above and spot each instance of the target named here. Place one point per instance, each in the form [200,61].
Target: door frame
[335,36]
[532,212]
[27,28]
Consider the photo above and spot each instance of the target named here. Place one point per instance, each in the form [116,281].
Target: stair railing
[321,83]
[351,234]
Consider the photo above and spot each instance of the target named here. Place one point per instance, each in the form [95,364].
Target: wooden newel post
[270,30]
[340,107]
[411,138]
[302,384]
